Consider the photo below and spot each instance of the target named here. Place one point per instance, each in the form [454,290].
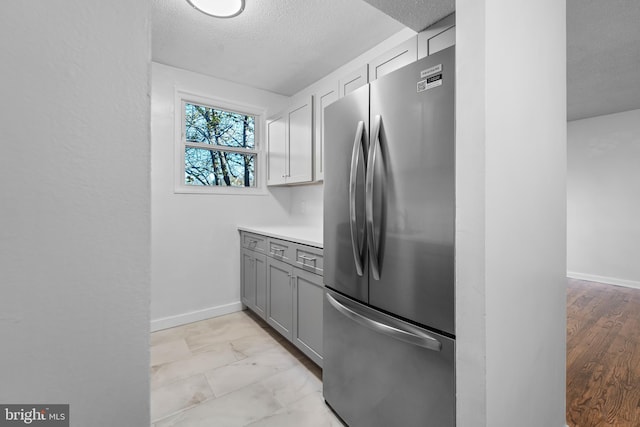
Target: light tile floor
[233,370]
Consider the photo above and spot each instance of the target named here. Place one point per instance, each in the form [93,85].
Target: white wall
[511,216]
[75,210]
[195,267]
[471,363]
[603,194]
[307,204]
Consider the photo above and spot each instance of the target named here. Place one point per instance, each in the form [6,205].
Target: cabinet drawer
[280,249]
[254,242]
[309,258]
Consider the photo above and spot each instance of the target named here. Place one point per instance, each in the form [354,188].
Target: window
[218,148]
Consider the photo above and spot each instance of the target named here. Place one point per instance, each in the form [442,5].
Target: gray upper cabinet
[439,36]
[290,144]
[403,54]
[353,80]
[323,97]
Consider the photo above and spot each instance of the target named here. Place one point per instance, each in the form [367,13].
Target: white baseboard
[194,316]
[604,279]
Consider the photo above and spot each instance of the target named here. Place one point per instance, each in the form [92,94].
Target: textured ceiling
[603,50]
[603,57]
[415,14]
[285,45]
[278,45]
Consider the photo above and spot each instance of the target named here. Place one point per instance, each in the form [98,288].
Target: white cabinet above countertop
[304,234]
[290,144]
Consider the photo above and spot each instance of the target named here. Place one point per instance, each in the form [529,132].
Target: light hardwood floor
[603,355]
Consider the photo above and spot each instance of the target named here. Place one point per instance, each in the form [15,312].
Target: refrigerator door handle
[355,155]
[371,161]
[417,338]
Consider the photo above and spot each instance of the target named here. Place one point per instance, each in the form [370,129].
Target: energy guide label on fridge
[430,83]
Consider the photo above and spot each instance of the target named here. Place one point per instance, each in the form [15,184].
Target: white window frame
[182,97]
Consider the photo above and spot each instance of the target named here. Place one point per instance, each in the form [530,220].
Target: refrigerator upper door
[346,145]
[411,196]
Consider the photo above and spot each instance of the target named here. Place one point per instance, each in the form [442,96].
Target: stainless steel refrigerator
[389,203]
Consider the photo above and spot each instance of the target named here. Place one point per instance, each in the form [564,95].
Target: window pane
[218,168]
[218,127]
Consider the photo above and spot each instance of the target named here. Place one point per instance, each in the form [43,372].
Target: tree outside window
[219,147]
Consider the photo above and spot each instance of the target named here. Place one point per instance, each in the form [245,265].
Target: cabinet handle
[280,250]
[306,259]
[374,263]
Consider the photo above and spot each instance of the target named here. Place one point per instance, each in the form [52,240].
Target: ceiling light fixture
[219,8]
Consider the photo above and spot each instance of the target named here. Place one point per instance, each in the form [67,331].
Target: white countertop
[307,235]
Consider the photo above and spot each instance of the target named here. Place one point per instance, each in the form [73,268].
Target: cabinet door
[354,80]
[437,37]
[323,97]
[261,285]
[442,41]
[307,327]
[276,150]
[403,54]
[300,141]
[248,279]
[279,297]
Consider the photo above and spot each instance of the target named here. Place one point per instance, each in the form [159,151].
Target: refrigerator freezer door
[346,143]
[374,378]
[413,192]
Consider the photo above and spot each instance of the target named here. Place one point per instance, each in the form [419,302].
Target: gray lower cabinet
[254,282]
[283,285]
[280,297]
[308,292]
